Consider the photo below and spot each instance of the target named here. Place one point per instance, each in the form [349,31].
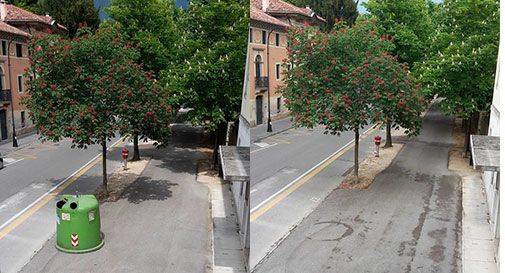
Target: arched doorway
[259,110]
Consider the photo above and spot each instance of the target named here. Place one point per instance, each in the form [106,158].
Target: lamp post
[269,120]
[14,138]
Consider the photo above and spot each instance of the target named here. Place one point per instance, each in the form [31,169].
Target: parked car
[1,161]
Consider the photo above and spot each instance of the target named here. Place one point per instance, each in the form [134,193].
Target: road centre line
[272,200]
[28,211]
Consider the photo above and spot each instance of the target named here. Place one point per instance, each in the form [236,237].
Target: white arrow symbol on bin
[75,239]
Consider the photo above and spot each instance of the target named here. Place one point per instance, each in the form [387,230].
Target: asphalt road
[279,160]
[407,221]
[36,169]
[160,224]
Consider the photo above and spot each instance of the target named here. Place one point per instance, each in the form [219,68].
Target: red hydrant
[377,144]
[125,158]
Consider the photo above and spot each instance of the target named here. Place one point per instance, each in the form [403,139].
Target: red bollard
[377,140]
[124,154]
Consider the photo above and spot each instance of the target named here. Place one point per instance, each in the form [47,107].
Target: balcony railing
[5,96]
[261,82]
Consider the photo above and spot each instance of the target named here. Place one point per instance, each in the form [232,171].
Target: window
[19,50]
[23,119]
[278,104]
[20,84]
[277,39]
[257,65]
[250,35]
[4,48]
[264,37]
[277,71]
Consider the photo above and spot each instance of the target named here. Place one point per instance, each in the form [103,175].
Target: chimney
[264,4]
[3,9]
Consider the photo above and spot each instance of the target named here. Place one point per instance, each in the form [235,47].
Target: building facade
[492,179]
[268,40]
[16,28]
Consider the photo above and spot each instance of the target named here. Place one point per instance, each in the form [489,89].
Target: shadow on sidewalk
[145,188]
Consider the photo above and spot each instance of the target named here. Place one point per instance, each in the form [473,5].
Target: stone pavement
[228,255]
[478,243]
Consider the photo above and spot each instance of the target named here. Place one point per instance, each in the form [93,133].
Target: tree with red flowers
[333,78]
[89,88]
[397,101]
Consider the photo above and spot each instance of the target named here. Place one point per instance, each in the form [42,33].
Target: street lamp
[269,121]
[14,138]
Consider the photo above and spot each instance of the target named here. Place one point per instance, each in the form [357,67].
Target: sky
[104,3]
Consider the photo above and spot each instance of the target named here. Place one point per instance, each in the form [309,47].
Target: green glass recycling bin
[78,224]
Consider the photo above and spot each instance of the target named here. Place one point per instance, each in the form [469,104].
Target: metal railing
[261,82]
[5,96]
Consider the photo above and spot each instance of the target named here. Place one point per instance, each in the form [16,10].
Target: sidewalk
[228,255]
[478,243]
[162,223]
[260,132]
[23,141]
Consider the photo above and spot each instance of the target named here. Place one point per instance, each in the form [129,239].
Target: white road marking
[261,144]
[54,188]
[265,147]
[11,161]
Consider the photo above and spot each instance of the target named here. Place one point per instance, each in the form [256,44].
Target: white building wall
[491,179]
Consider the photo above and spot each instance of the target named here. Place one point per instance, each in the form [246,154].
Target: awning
[235,163]
[485,152]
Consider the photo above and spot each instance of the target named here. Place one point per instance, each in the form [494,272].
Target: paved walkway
[478,243]
[162,223]
[23,141]
[260,132]
[409,220]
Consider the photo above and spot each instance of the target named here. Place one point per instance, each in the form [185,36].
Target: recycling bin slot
[60,203]
[78,224]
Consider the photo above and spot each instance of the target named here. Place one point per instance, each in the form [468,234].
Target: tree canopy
[338,80]
[332,9]
[89,88]
[149,23]
[462,56]
[210,69]
[71,14]
[408,22]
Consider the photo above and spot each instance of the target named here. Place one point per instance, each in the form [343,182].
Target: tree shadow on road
[144,189]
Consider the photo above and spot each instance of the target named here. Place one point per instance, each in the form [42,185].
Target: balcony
[261,82]
[5,96]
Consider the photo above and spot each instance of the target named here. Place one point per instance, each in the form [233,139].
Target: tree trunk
[216,147]
[356,152]
[389,141]
[220,139]
[468,123]
[104,166]
[482,127]
[136,153]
